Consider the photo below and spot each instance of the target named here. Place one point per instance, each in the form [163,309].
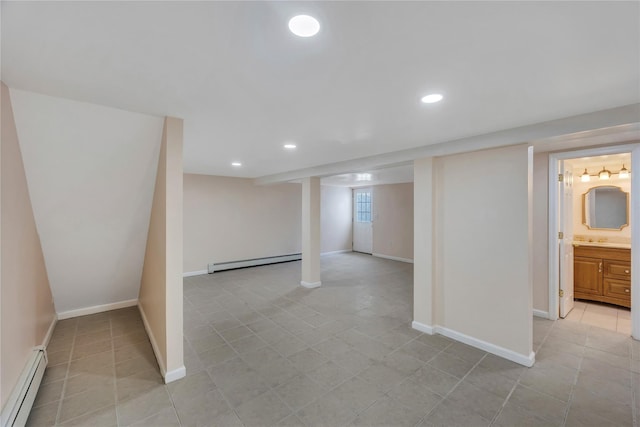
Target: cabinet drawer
[617,269]
[617,288]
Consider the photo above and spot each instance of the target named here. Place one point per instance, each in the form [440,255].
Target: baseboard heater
[16,411]
[219,266]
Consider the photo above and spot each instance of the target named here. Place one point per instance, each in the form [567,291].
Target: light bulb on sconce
[624,173]
[585,177]
[604,174]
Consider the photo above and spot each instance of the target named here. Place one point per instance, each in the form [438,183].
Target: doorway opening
[362,220]
[592,240]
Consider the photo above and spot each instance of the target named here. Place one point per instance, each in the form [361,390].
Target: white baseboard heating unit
[213,267]
[16,411]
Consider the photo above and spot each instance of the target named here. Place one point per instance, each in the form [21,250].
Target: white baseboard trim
[194,273]
[541,313]
[394,258]
[154,344]
[505,353]
[310,285]
[422,327]
[96,309]
[342,251]
[175,375]
[47,337]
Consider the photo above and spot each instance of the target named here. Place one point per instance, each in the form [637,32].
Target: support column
[311,232]
[423,277]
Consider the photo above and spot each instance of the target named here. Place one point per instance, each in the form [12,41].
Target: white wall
[393,220]
[91,172]
[231,219]
[482,253]
[336,205]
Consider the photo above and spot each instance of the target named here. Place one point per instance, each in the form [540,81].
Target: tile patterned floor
[605,316]
[262,351]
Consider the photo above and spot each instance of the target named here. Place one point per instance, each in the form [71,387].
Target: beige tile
[105,417]
[307,359]
[604,321]
[43,416]
[134,365]
[85,403]
[84,382]
[298,391]
[389,412]
[329,375]
[137,384]
[81,351]
[513,415]
[47,393]
[143,406]
[623,326]
[165,418]
[55,373]
[326,411]
[436,380]
[382,377]
[543,405]
[476,400]
[264,410]
[413,394]
[451,364]
[448,413]
[98,364]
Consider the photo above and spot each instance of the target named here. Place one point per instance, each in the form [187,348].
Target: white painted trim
[310,285]
[422,327]
[540,313]
[394,258]
[154,344]
[194,273]
[175,375]
[554,267]
[47,337]
[505,353]
[342,251]
[635,243]
[213,267]
[96,309]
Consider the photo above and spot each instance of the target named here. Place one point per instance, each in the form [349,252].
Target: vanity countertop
[603,244]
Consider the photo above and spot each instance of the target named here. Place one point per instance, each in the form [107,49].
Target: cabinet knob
[626,271]
[626,290]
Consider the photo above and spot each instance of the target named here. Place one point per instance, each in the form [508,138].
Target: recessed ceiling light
[236,164]
[290,146]
[363,177]
[304,26]
[430,99]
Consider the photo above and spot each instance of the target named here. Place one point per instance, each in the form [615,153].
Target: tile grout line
[66,377]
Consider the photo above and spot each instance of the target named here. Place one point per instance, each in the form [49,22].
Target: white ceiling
[365,178]
[245,85]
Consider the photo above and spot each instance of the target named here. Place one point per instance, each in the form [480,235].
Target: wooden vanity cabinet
[602,274]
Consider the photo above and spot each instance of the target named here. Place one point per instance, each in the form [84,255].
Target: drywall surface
[91,172]
[541,231]
[161,285]
[482,247]
[336,206]
[393,220]
[231,219]
[27,305]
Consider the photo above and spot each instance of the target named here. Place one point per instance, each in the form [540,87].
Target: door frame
[353,216]
[554,264]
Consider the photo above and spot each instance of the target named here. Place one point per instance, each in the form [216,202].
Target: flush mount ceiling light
[431,98]
[304,26]
[604,174]
[624,172]
[290,146]
[585,177]
[363,177]
[236,164]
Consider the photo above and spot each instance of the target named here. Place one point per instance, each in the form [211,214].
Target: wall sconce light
[624,172]
[604,174]
[585,177]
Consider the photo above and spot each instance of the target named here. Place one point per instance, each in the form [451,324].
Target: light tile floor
[262,351]
[605,316]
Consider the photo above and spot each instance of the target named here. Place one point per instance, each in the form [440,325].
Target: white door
[566,240]
[362,224]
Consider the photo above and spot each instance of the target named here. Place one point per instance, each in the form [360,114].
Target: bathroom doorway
[591,237]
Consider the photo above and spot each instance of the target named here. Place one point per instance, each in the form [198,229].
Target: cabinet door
[587,276]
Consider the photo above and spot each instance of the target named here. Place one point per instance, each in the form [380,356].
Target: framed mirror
[605,208]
